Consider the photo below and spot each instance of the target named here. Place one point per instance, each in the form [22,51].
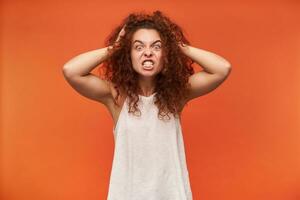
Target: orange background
[241,140]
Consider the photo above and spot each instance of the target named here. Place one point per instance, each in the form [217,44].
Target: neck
[147,87]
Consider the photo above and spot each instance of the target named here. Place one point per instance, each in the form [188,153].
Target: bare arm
[84,63]
[216,70]
[77,72]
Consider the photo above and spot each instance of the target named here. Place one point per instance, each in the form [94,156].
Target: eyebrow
[143,43]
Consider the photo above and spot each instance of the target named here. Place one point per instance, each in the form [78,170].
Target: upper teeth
[148,63]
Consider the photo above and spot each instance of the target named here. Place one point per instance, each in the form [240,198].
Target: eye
[138,47]
[157,46]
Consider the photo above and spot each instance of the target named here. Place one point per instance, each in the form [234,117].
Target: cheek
[133,58]
[135,61]
[161,59]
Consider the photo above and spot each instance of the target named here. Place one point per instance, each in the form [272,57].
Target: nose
[148,52]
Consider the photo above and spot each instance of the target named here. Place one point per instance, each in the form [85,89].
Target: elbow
[228,67]
[66,71]
[227,70]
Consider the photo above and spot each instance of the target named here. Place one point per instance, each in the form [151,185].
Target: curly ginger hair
[171,83]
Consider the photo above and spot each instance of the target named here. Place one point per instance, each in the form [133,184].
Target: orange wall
[242,140]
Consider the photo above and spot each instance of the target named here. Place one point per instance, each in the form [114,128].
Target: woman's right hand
[121,33]
[116,43]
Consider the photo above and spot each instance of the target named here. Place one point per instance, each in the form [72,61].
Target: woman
[148,80]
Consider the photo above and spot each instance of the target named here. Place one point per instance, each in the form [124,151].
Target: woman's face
[146,45]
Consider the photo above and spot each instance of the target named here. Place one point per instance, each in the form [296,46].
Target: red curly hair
[171,83]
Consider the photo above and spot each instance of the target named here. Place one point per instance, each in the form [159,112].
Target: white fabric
[149,157]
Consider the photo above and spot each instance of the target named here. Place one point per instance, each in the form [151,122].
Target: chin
[147,73]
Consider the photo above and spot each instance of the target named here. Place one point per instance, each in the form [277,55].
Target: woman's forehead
[146,36]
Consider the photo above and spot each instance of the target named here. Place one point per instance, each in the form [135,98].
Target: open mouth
[148,64]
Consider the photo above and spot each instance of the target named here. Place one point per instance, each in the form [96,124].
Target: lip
[144,68]
[147,69]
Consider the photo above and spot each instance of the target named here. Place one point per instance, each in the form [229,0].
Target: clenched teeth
[148,63]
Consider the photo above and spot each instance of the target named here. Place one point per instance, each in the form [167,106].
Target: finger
[122,32]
